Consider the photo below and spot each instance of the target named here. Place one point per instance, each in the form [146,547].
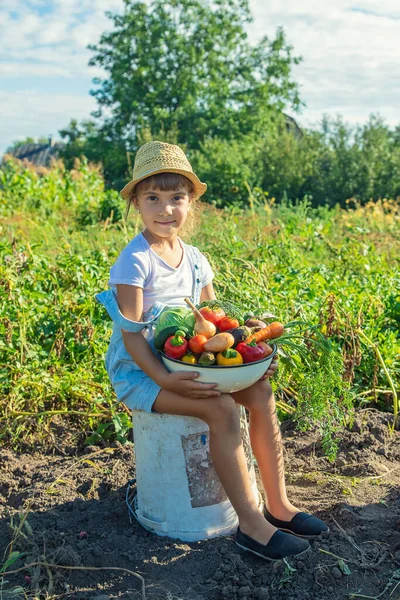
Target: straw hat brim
[199,187]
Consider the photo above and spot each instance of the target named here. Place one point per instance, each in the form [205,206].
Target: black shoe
[279,546]
[303,525]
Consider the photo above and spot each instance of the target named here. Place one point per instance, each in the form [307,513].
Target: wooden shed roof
[292,126]
[38,154]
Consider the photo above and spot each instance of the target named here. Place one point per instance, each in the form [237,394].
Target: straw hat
[160,157]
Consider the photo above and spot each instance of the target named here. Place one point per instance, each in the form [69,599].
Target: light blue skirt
[140,391]
[132,386]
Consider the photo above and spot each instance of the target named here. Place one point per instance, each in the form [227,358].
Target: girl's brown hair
[167,182]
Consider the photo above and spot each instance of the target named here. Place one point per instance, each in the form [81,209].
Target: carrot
[270,332]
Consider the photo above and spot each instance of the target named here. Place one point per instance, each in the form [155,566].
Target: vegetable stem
[15,413]
[192,306]
[285,407]
[390,380]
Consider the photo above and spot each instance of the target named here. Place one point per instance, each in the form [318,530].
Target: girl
[156,269]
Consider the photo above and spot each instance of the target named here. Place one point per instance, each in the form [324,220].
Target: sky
[350,52]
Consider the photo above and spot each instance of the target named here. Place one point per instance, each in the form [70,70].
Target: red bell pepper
[176,346]
[227,323]
[252,351]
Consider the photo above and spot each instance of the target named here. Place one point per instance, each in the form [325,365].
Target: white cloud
[14,70]
[350,50]
[35,114]
[67,28]
[351,58]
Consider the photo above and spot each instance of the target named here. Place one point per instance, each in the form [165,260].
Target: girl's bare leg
[226,448]
[266,442]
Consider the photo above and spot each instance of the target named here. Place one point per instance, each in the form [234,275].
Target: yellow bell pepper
[229,357]
[189,358]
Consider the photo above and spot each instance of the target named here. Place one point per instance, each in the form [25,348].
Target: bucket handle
[131,504]
[151,524]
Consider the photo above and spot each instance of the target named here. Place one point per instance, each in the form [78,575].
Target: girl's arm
[207,293]
[130,301]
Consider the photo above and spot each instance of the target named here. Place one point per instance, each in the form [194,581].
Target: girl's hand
[185,384]
[271,369]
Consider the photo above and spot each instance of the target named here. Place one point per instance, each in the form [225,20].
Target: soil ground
[74,504]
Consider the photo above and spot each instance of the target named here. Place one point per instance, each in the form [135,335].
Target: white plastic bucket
[178,491]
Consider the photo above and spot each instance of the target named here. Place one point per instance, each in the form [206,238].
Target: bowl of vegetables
[230,378]
[223,348]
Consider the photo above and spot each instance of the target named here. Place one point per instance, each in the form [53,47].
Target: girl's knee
[223,412]
[261,396]
[264,386]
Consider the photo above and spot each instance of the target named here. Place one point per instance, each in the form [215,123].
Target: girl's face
[163,213]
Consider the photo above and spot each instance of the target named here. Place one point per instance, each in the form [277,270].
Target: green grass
[335,269]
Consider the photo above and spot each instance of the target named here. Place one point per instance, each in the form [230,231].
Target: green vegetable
[207,358]
[248,315]
[170,320]
[230,309]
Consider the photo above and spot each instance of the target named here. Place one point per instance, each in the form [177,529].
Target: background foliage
[61,231]
[186,72]
[298,223]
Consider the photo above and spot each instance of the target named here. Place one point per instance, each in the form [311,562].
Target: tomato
[196,343]
[212,314]
[227,323]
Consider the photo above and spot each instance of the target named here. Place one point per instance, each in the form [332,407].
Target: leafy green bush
[44,191]
[226,166]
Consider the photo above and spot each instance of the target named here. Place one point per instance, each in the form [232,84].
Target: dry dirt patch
[76,515]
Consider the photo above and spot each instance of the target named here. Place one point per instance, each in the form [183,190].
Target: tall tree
[186,69]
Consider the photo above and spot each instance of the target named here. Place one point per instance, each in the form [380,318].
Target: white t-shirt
[138,264]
